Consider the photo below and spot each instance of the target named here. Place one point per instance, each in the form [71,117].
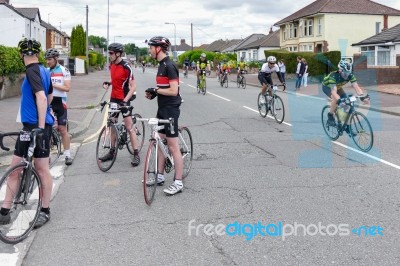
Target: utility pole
[108,29]
[191,33]
[87,33]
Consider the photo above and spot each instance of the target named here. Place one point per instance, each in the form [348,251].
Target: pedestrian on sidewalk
[282,69]
[34,114]
[299,72]
[169,101]
[61,81]
[123,92]
[305,75]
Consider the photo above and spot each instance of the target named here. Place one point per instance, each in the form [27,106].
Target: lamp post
[171,23]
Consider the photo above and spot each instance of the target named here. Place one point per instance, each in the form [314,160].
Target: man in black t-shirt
[169,100]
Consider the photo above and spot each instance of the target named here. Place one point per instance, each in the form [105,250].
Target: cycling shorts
[60,110]
[264,78]
[42,151]
[328,91]
[166,113]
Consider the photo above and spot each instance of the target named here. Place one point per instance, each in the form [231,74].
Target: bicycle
[151,166]
[114,136]
[224,79]
[202,86]
[54,144]
[348,120]
[21,191]
[272,104]
[241,80]
[185,73]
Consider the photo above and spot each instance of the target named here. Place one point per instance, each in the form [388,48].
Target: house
[183,47]
[19,23]
[241,49]
[254,51]
[328,25]
[220,45]
[382,49]
[56,39]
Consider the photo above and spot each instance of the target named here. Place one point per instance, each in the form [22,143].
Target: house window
[383,56]
[310,47]
[255,55]
[369,52]
[377,27]
[295,31]
[308,27]
[243,55]
[284,33]
[319,26]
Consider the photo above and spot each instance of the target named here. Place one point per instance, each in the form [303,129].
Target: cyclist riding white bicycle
[264,75]
[332,86]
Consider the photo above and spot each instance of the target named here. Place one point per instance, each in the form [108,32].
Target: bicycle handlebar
[104,103]
[169,121]
[7,134]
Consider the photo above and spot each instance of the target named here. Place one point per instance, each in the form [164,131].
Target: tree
[98,41]
[78,41]
[130,48]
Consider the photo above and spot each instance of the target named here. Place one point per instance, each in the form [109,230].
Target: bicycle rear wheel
[55,147]
[262,105]
[150,173]
[186,148]
[106,149]
[226,82]
[278,109]
[139,129]
[23,214]
[361,131]
[204,86]
[244,83]
[331,131]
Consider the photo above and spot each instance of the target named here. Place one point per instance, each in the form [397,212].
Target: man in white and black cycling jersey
[264,75]
[61,80]
[332,86]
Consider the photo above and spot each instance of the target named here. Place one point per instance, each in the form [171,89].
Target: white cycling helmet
[344,66]
[271,59]
[203,55]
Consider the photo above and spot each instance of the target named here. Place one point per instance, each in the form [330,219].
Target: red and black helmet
[163,42]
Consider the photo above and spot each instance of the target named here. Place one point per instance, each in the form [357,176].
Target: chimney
[270,31]
[183,41]
[385,22]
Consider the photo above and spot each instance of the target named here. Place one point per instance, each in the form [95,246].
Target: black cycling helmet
[29,46]
[160,41]
[116,47]
[51,53]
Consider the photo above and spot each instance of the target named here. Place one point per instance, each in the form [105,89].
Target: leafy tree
[78,41]
[130,48]
[98,41]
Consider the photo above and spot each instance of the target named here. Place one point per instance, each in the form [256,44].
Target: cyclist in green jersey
[332,86]
[202,64]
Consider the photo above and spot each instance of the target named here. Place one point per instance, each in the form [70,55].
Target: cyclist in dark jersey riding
[332,86]
[169,100]
[123,91]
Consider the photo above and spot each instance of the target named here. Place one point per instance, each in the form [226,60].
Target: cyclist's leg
[12,183]
[335,97]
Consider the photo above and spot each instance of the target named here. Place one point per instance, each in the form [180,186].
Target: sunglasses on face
[111,53]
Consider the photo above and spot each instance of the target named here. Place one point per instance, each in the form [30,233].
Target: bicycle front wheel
[186,148]
[244,83]
[139,130]
[361,131]
[106,149]
[24,209]
[331,131]
[204,86]
[262,105]
[55,147]
[278,109]
[150,173]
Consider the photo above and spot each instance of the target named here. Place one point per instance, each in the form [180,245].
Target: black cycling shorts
[21,147]
[60,111]
[328,91]
[124,111]
[264,78]
[166,113]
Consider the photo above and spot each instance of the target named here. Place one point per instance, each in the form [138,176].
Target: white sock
[67,153]
[160,177]
[178,183]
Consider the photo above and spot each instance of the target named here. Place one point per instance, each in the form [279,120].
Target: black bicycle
[241,80]
[224,79]
[114,136]
[21,192]
[273,104]
[348,120]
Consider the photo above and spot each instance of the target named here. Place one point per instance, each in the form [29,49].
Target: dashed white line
[251,109]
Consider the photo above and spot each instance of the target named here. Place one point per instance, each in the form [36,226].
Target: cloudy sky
[135,21]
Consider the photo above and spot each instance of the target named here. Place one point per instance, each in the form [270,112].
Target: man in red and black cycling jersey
[169,101]
[123,91]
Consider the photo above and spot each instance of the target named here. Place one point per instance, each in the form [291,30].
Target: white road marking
[251,109]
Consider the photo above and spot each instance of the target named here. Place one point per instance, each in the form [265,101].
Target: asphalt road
[246,169]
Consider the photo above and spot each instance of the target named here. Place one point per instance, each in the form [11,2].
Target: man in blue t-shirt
[34,113]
